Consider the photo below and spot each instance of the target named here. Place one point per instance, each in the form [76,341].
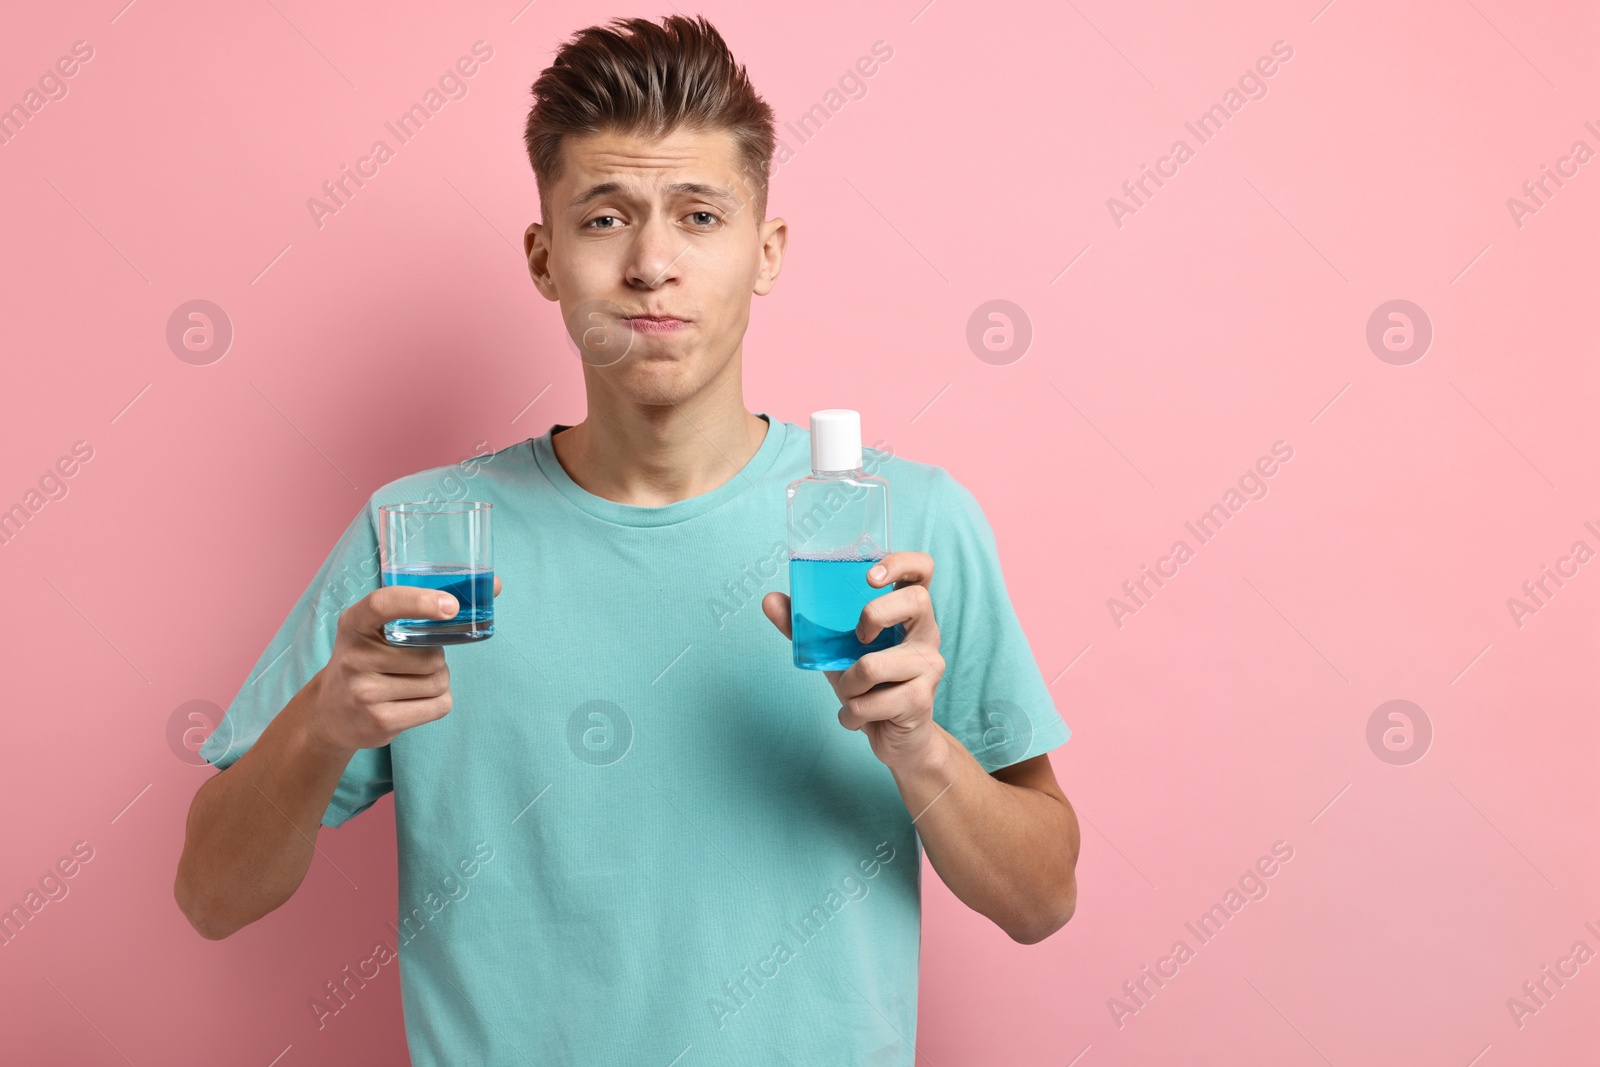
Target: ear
[536,247]
[774,234]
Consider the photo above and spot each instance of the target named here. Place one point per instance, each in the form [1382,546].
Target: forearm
[1007,851]
[251,829]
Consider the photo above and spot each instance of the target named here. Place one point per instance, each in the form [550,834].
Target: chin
[658,381]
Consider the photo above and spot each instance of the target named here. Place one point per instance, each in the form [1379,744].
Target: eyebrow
[700,189]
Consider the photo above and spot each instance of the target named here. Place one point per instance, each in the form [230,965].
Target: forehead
[648,166]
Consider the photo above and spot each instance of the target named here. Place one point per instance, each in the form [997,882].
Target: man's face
[653,249]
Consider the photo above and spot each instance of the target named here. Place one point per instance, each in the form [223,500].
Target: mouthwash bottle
[838,528]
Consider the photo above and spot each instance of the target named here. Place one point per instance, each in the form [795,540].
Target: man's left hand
[888,694]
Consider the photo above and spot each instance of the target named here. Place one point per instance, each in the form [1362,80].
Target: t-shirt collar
[666,514]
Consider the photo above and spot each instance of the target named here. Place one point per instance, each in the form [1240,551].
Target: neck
[650,455]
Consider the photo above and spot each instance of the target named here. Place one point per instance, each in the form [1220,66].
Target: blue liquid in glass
[473,588]
[826,598]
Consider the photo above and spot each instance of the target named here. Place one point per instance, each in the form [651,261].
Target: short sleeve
[992,697]
[302,647]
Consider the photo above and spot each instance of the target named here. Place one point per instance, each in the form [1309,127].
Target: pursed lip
[656,323]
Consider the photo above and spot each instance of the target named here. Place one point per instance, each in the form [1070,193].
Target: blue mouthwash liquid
[473,588]
[826,597]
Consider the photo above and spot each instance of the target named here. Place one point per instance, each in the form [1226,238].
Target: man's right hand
[251,830]
[371,691]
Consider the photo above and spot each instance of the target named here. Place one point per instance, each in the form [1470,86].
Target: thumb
[776,607]
[497,585]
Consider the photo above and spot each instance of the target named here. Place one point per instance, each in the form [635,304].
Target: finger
[497,585]
[380,657]
[776,607]
[886,666]
[375,689]
[400,715]
[393,602]
[885,703]
[911,604]
[902,567]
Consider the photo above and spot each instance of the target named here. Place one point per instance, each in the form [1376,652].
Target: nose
[657,254]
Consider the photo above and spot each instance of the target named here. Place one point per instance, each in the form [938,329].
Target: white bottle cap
[835,440]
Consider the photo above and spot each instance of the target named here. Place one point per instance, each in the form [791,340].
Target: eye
[710,217]
[601,218]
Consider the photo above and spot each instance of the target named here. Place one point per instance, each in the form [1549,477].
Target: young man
[630,830]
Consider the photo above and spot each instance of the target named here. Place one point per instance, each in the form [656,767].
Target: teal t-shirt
[641,835]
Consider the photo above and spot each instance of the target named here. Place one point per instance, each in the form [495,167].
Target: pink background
[1227,314]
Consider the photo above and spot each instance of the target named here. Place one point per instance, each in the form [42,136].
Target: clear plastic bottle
[838,528]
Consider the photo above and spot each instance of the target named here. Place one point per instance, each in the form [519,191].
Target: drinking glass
[442,545]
